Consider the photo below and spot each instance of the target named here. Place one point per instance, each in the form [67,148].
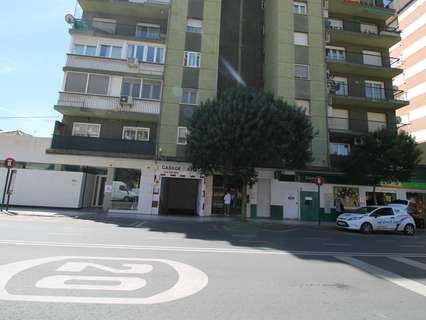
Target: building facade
[136,70]
[410,18]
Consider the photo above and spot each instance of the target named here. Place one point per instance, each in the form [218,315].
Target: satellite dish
[69,18]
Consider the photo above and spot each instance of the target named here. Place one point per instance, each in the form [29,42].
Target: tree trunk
[374,195]
[244,199]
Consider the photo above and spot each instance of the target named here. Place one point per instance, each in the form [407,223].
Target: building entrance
[99,190]
[179,196]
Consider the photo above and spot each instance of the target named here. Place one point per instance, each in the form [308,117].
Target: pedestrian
[340,208]
[227,201]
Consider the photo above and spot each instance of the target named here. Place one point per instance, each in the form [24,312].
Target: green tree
[386,156]
[243,129]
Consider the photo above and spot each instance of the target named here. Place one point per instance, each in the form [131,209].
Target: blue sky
[34,38]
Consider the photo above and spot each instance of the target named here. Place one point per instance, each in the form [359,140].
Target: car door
[384,219]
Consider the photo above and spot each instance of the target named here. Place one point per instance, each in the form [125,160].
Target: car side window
[384,212]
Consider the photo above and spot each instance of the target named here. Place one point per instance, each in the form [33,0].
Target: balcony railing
[356,26]
[103,145]
[367,3]
[368,92]
[362,58]
[115,29]
[114,65]
[107,103]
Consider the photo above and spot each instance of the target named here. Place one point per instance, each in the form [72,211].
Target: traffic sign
[9,163]
[319,181]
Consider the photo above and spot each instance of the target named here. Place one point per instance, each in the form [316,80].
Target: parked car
[378,218]
[120,192]
[416,211]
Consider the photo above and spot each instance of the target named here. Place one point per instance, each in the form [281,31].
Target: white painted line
[207,249]
[386,275]
[337,244]
[413,263]
[411,246]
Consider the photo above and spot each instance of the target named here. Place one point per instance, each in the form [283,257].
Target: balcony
[355,126]
[115,30]
[362,64]
[100,146]
[370,9]
[366,96]
[356,33]
[112,66]
[152,9]
[86,105]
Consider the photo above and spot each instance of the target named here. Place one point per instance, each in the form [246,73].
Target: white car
[378,218]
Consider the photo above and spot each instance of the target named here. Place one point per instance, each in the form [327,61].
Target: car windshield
[364,210]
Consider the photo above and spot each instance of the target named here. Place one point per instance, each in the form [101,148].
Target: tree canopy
[386,156]
[243,129]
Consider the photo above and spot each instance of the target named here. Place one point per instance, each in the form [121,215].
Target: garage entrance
[179,196]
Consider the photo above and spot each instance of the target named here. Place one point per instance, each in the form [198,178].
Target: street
[90,267]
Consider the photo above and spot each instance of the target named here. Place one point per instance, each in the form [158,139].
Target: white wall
[45,188]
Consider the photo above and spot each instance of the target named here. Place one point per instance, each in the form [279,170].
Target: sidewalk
[44,212]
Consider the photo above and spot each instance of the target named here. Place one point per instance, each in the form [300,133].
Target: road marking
[386,275]
[410,262]
[337,244]
[190,281]
[411,246]
[262,251]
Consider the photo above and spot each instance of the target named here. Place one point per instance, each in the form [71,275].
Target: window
[136,133]
[302,71]
[86,129]
[86,83]
[84,50]
[148,31]
[341,86]
[304,105]
[194,25]
[335,24]
[131,88]
[182,135]
[146,53]
[192,59]
[104,25]
[189,96]
[98,84]
[151,90]
[369,28]
[340,149]
[299,8]
[376,121]
[110,51]
[374,90]
[300,39]
[383,212]
[76,82]
[339,119]
[372,57]
[335,53]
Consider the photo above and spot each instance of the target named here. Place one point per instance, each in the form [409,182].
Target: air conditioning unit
[126,101]
[358,141]
[133,62]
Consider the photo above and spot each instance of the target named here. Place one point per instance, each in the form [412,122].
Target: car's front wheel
[409,229]
[366,228]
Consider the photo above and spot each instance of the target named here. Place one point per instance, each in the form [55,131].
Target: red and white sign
[319,181]
[9,163]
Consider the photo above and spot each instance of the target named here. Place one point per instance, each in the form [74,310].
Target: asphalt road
[96,268]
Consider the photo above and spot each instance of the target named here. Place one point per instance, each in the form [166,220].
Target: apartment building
[410,18]
[136,71]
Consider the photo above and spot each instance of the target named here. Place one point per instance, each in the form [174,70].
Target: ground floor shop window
[125,189]
[382,198]
[347,196]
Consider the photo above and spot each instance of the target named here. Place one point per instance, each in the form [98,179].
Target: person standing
[227,201]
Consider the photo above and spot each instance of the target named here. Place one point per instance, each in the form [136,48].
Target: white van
[120,192]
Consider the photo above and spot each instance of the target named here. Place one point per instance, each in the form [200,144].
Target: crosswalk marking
[386,275]
[410,262]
